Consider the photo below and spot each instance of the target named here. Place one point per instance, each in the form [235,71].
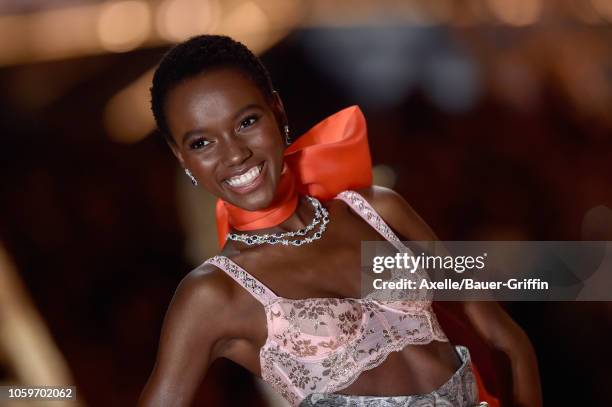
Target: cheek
[202,169]
[276,149]
[270,137]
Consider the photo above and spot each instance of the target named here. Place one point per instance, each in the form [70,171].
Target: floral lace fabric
[322,345]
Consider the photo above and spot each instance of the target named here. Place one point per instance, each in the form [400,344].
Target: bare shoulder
[193,325]
[381,198]
[397,213]
[202,300]
[205,286]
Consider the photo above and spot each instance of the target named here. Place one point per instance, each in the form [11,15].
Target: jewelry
[321,217]
[190,175]
[287,138]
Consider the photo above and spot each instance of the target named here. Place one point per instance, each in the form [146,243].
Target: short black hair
[198,55]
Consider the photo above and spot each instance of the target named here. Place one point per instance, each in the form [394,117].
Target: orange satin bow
[331,157]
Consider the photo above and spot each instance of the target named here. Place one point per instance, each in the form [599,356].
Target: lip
[253,185]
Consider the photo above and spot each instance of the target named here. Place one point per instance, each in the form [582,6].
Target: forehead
[210,97]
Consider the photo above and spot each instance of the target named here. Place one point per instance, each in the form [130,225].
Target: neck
[301,217]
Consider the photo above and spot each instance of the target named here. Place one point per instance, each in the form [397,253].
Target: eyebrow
[197,131]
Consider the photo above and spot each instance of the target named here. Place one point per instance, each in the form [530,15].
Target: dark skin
[222,125]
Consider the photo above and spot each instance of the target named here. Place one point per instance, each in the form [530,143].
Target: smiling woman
[294,215]
[227,134]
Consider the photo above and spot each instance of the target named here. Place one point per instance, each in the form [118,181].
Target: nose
[236,151]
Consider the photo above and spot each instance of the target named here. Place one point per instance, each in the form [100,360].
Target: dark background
[94,227]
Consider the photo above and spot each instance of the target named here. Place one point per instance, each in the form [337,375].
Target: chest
[328,267]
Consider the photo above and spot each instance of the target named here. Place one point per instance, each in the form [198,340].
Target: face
[228,135]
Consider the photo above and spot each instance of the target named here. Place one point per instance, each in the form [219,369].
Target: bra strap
[365,210]
[262,293]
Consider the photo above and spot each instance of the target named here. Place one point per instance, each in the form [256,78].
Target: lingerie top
[322,345]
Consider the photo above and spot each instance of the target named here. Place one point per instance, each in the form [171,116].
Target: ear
[177,153]
[279,110]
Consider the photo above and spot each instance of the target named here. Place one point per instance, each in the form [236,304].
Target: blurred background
[491,117]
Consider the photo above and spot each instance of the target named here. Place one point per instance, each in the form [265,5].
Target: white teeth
[246,178]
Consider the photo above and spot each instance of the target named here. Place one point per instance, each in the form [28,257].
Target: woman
[282,297]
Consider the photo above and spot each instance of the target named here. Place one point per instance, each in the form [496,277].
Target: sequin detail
[262,293]
[365,210]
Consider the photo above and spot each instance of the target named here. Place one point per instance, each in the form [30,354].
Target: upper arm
[494,325]
[190,339]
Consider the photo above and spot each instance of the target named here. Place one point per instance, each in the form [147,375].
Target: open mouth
[248,180]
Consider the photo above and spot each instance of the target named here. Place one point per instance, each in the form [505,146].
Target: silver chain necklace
[321,217]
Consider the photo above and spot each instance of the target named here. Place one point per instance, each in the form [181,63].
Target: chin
[255,204]
[252,201]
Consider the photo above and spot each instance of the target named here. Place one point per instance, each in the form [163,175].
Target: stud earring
[190,175]
[287,138]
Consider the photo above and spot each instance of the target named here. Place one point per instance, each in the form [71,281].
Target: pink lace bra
[322,345]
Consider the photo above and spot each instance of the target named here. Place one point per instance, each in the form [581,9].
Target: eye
[248,122]
[198,144]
